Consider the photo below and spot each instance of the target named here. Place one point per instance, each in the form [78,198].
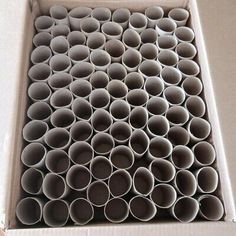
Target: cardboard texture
[218,77]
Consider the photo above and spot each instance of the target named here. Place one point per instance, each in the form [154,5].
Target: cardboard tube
[157,106]
[42,39]
[40,72]
[99,98]
[211,207]
[142,208]
[167,57]
[79,53]
[54,186]
[185,183]
[149,68]
[165,26]
[34,131]
[185,209]
[76,38]
[199,129]
[102,143]
[44,24]
[58,138]
[78,177]
[60,30]
[39,111]
[82,109]
[57,161]
[60,80]
[122,157]
[170,76]
[186,50]
[163,195]
[207,179]
[82,70]
[89,25]
[179,15]
[41,54]
[153,14]
[148,36]
[59,14]
[138,22]
[39,91]
[81,153]
[166,42]
[62,118]
[81,211]
[138,118]
[99,79]
[60,63]
[98,193]
[112,30]
[115,48]
[59,45]
[184,34]
[101,120]
[81,131]
[137,97]
[96,40]
[81,88]
[174,95]
[188,68]
[159,147]
[131,59]
[116,210]
[182,157]
[116,71]
[177,115]
[119,110]
[100,59]
[101,168]
[195,106]
[162,170]
[61,98]
[56,213]
[121,132]
[134,80]
[148,51]
[178,136]
[120,183]
[204,154]
[121,16]
[117,89]
[31,181]
[131,39]
[157,125]
[33,155]
[102,14]
[139,143]
[192,86]
[29,210]
[154,86]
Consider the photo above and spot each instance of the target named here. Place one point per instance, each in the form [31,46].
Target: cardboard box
[216,53]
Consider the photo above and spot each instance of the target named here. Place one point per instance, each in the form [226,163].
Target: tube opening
[160,147]
[177,115]
[81,131]
[82,109]
[154,86]
[120,131]
[99,98]
[138,118]
[81,88]
[157,106]
[102,143]
[119,110]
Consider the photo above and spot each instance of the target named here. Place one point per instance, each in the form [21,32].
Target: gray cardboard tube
[148,51]
[81,88]
[120,183]
[82,109]
[44,23]
[167,57]
[81,131]
[60,80]
[196,106]
[60,63]
[76,38]
[29,210]
[178,136]
[40,72]
[149,68]
[121,16]
[170,76]
[102,14]
[99,79]
[119,110]
[165,26]
[186,50]
[142,208]
[116,210]
[56,213]
[81,153]
[131,59]
[100,59]
[117,89]
[96,40]
[42,38]
[149,35]
[59,45]
[138,118]
[177,115]
[39,91]
[138,22]
[82,70]
[188,68]
[79,53]
[154,86]
[31,181]
[166,42]
[179,15]
[184,34]
[99,98]
[116,71]
[192,86]
[81,211]
[78,177]
[112,30]
[98,193]
[131,39]
[143,181]
[153,13]
[41,54]
[57,161]
[89,25]
[137,97]
[54,186]
[61,98]
[59,14]
[60,30]
[115,48]
[134,80]
[157,106]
